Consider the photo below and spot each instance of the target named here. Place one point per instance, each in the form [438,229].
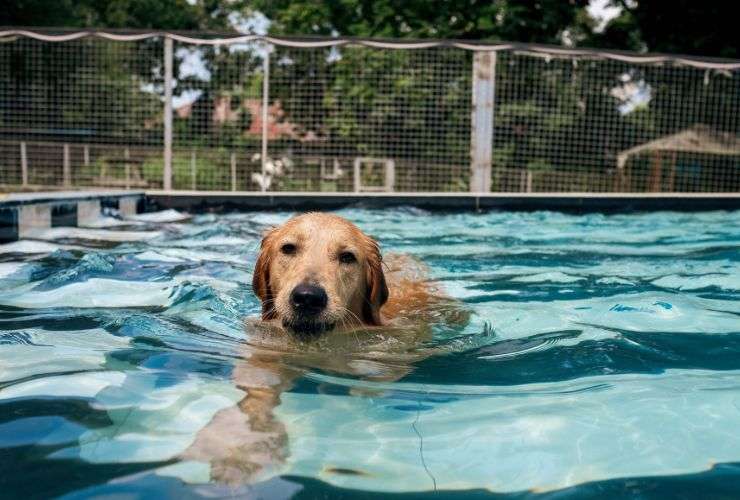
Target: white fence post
[167,171]
[66,168]
[356,172]
[127,167]
[390,175]
[193,173]
[265,115]
[24,164]
[233,171]
[481,122]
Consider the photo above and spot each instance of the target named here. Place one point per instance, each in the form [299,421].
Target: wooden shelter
[697,139]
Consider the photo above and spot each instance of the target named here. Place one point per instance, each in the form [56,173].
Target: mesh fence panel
[336,106]
[86,112]
[600,125]
[254,116]
[217,103]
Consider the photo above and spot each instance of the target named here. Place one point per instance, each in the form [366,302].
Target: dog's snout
[308,299]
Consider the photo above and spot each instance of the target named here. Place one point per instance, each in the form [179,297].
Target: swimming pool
[602,358]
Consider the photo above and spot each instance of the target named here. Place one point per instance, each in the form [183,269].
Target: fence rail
[245,113]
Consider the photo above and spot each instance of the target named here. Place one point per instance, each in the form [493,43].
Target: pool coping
[17,199]
[21,214]
[567,202]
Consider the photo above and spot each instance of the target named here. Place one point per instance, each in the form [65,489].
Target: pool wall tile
[33,217]
[88,212]
[128,206]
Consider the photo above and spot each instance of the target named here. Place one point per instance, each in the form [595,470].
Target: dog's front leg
[247,442]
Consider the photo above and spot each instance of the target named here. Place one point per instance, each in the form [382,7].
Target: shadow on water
[722,481]
[34,430]
[541,358]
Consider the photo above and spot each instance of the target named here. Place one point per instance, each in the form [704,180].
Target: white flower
[269,167]
[262,181]
[278,167]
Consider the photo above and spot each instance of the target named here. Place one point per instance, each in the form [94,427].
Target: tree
[532,21]
[682,26]
[146,14]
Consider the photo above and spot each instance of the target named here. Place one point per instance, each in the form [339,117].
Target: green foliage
[154,14]
[541,21]
[359,100]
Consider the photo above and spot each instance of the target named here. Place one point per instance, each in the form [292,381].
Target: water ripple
[601,350]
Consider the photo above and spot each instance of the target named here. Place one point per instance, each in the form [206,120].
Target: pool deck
[22,213]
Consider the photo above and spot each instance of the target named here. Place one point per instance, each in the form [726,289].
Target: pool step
[22,214]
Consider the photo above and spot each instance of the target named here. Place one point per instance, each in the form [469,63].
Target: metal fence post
[127,167]
[233,172]
[193,173]
[265,115]
[356,172]
[390,175]
[24,164]
[167,171]
[66,168]
[481,122]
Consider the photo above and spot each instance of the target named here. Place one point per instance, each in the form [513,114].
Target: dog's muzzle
[307,302]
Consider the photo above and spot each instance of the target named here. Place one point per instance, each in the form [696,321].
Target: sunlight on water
[598,348]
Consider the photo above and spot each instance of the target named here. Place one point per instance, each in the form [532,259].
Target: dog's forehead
[323,227]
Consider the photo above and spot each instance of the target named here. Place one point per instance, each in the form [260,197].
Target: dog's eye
[288,249]
[347,258]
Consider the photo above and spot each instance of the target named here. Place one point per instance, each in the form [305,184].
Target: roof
[697,139]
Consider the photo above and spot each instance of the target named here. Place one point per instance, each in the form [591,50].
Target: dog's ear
[377,291]
[261,278]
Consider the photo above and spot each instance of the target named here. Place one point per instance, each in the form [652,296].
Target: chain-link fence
[199,112]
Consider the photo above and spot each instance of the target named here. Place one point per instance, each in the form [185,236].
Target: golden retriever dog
[318,272]
[329,302]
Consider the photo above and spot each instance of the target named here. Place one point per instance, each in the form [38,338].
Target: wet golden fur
[382,309]
[359,293]
[356,291]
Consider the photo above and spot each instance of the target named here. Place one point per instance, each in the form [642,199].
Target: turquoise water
[601,358]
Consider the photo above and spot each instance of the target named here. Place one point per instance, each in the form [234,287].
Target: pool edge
[196,201]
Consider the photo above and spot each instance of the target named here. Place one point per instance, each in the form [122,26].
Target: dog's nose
[308,299]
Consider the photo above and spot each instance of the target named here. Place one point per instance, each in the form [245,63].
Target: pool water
[601,358]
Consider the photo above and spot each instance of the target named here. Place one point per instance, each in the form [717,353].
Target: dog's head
[317,272]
